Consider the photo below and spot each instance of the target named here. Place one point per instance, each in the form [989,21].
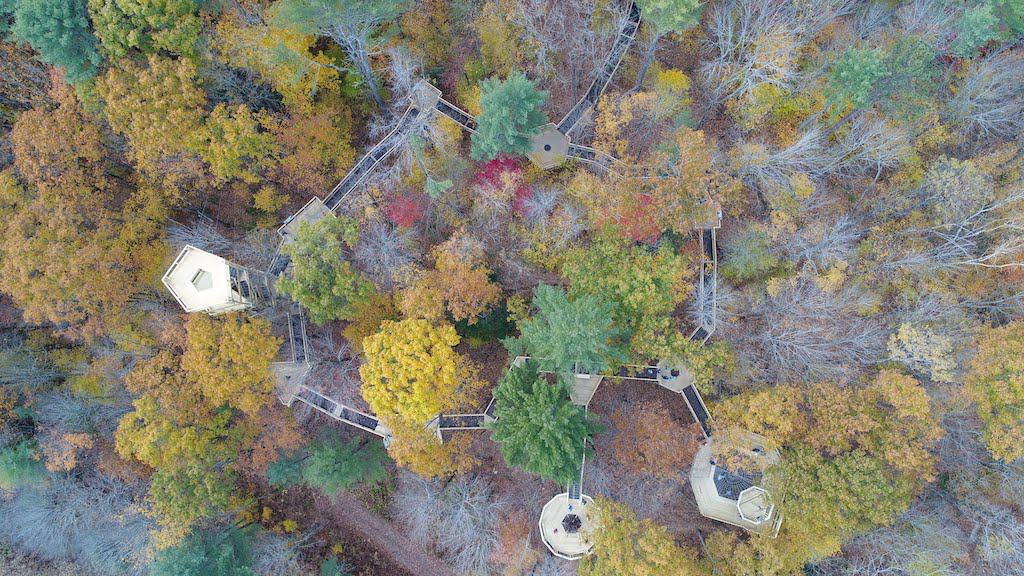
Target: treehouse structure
[734,496]
[204,282]
[566,525]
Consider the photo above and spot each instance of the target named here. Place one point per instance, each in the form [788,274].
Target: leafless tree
[933,21]
[279,555]
[871,19]
[229,85]
[201,233]
[384,251]
[755,43]
[416,504]
[60,413]
[990,101]
[768,169]
[872,145]
[805,332]
[989,236]
[21,369]
[722,311]
[922,537]
[568,41]
[458,518]
[822,243]
[552,566]
[469,530]
[95,523]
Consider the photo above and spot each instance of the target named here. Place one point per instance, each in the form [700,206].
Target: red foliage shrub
[406,209]
[505,171]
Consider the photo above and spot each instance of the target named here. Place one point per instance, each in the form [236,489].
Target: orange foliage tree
[649,441]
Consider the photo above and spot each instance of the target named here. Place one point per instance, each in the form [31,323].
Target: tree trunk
[652,48]
[362,61]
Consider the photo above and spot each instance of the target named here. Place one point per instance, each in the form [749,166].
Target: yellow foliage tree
[412,372]
[995,384]
[226,363]
[625,545]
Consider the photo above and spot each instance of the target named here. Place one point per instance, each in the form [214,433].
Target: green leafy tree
[511,116]
[322,280]
[978,25]
[182,496]
[1011,15]
[828,501]
[671,15]
[644,286]
[333,466]
[902,79]
[59,31]
[538,428]
[995,383]
[854,76]
[19,466]
[147,26]
[224,553]
[566,335]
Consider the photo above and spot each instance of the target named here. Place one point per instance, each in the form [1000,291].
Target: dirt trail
[345,510]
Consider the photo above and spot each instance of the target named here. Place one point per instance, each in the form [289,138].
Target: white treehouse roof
[198,280]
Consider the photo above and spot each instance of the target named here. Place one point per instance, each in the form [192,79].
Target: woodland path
[346,510]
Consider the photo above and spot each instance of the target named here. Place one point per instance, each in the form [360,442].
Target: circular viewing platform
[565,526]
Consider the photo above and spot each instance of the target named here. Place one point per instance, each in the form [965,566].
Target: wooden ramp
[339,411]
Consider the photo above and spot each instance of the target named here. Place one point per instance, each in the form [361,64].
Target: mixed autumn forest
[859,309]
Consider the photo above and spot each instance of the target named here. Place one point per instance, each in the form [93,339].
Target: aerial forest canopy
[516,287]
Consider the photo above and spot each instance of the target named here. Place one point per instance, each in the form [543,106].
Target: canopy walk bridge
[627,33]
[424,100]
[549,149]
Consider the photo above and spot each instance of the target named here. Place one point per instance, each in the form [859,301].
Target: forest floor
[372,543]
[380,535]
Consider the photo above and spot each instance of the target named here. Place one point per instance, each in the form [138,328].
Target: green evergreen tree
[853,78]
[19,466]
[978,25]
[671,15]
[511,116]
[538,428]
[322,280]
[567,336]
[333,466]
[225,553]
[286,471]
[59,31]
[1011,16]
